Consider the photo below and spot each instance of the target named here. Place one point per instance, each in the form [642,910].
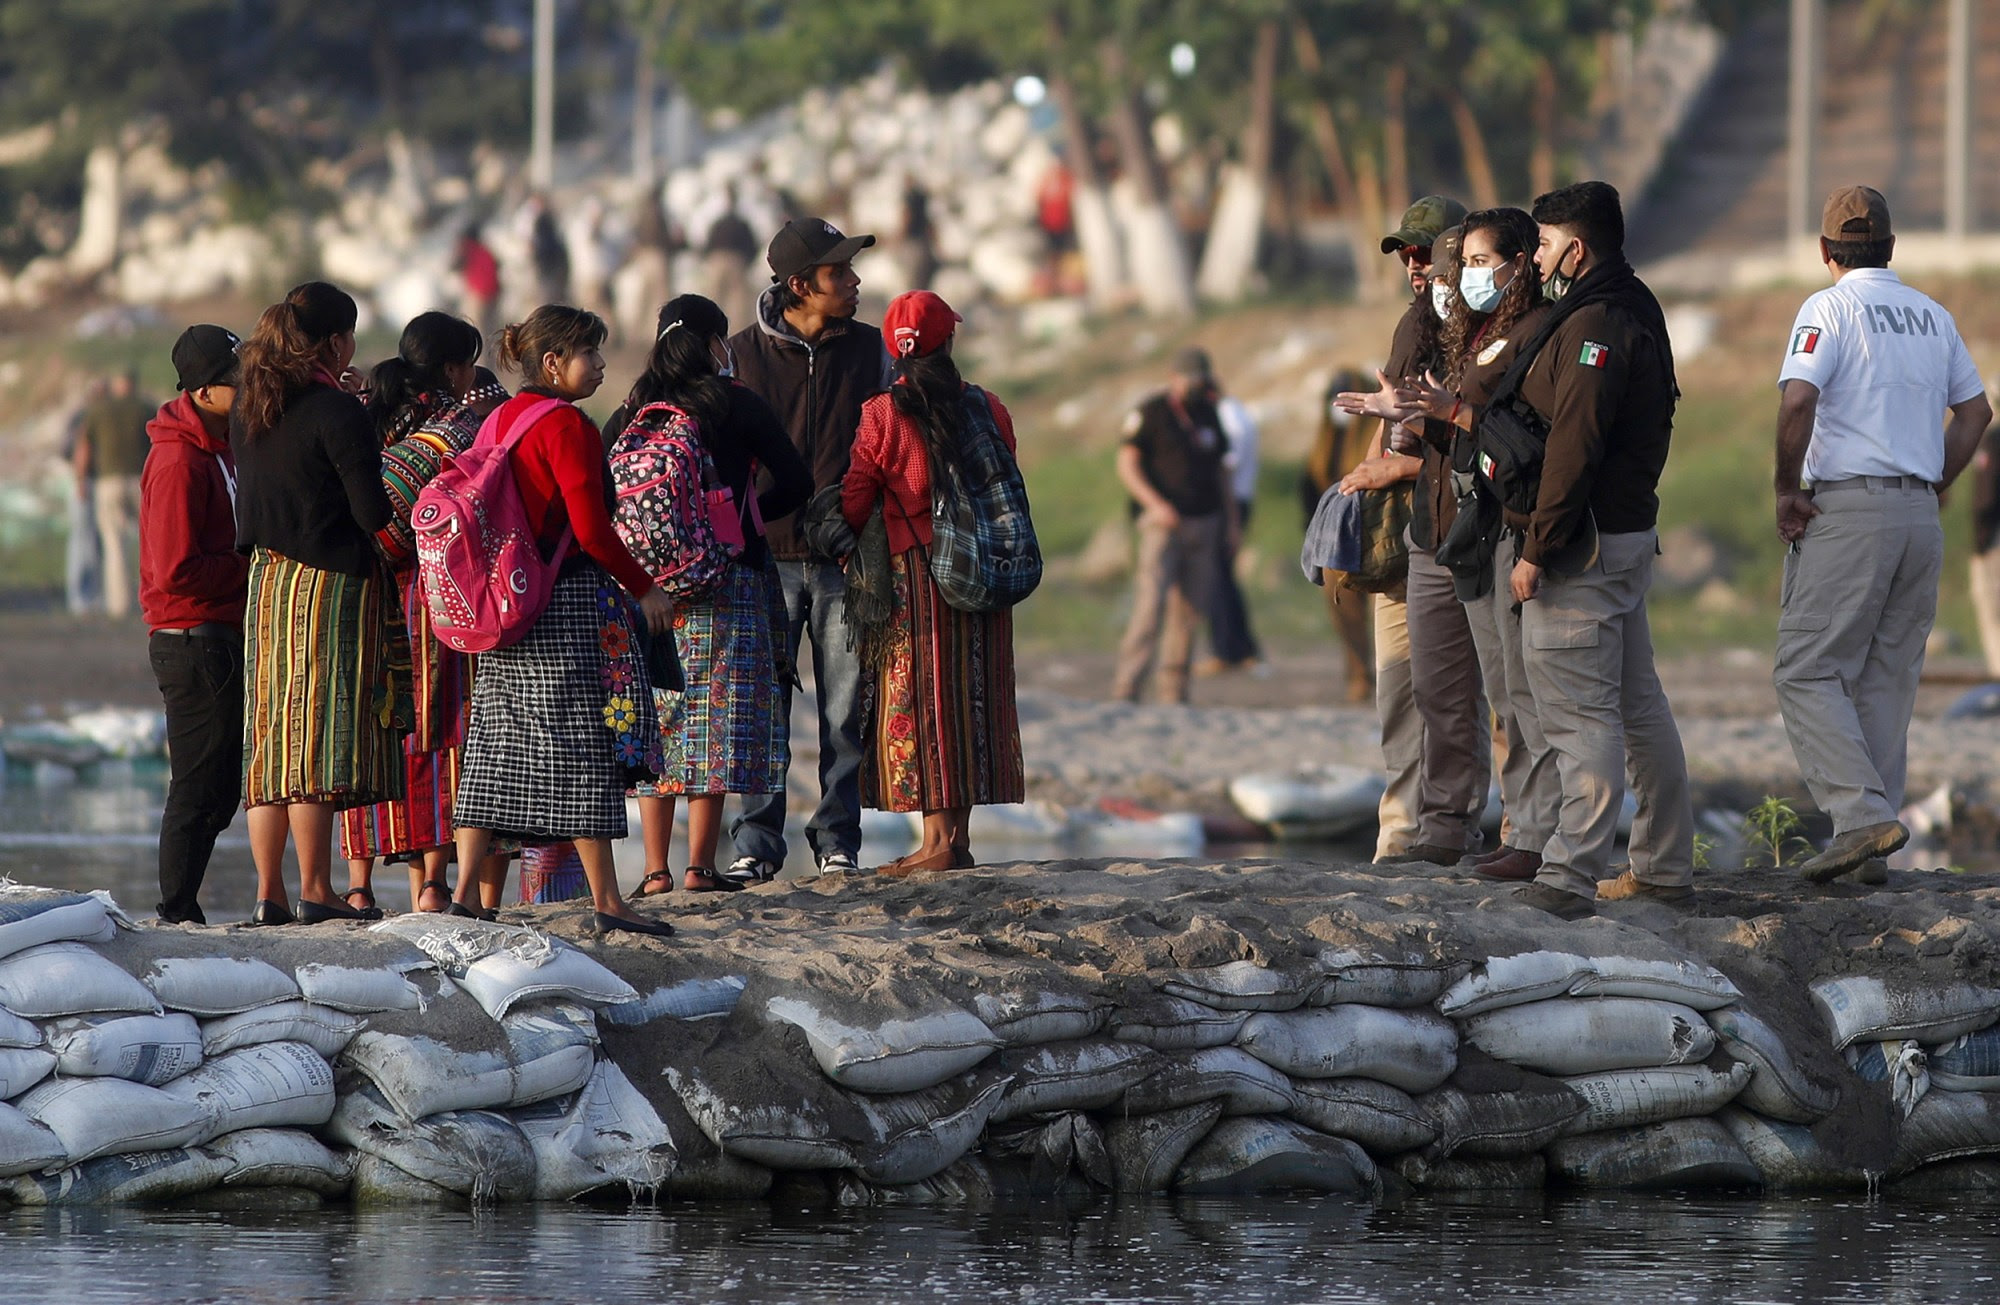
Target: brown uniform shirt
[1446,443]
[1605,384]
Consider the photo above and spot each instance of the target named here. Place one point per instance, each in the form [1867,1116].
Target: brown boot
[1517,866]
[1628,887]
[918,862]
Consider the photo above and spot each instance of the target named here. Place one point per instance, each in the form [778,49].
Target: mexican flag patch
[1486,466]
[1805,339]
[1594,354]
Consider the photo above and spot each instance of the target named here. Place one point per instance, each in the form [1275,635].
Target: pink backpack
[673,514]
[485,581]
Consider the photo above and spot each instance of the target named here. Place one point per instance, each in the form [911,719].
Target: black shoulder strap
[1510,381]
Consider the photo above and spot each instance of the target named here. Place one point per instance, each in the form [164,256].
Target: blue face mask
[1476,285]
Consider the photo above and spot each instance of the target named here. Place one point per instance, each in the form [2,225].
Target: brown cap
[1857,213]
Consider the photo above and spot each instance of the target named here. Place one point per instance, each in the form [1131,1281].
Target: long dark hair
[404,391]
[680,369]
[287,346]
[1514,235]
[931,393]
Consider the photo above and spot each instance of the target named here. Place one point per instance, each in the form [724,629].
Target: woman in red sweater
[563,720]
[946,736]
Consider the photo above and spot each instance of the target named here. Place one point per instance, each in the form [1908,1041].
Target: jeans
[82,563]
[816,604]
[201,682]
[1229,635]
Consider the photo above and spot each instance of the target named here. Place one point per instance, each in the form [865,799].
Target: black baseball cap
[806,243]
[206,355]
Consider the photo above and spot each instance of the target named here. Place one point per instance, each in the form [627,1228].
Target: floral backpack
[669,501]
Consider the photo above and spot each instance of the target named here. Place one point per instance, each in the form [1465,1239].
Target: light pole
[1958,215]
[1808,54]
[541,148]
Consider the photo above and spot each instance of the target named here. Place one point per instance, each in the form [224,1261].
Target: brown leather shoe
[1499,853]
[1516,867]
[1847,851]
[916,864]
[1424,852]
[1568,906]
[1629,886]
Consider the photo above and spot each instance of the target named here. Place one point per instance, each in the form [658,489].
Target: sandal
[438,886]
[704,879]
[368,909]
[463,911]
[664,878]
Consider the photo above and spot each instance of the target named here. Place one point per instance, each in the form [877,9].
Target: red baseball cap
[917,323]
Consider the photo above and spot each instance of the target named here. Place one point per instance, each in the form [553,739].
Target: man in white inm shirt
[1863,448]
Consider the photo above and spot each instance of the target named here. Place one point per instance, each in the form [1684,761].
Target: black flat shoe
[269,912]
[321,912]
[619,924]
[463,911]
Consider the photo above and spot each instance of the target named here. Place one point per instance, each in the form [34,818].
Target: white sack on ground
[108,1116]
[1626,1098]
[135,1179]
[359,991]
[892,1055]
[149,1049]
[271,1085]
[1243,1084]
[1352,977]
[474,1153]
[1699,987]
[1261,1154]
[67,978]
[23,1067]
[30,917]
[1031,1017]
[1409,1049]
[1242,985]
[690,999]
[209,986]
[1862,1008]
[282,1157]
[1697,1153]
[1383,1119]
[1787,1155]
[1147,1150]
[607,1134]
[1587,1035]
[501,964]
[1060,1076]
[1175,1024]
[26,1145]
[16,1032]
[1947,1125]
[1512,981]
[1780,1086]
[322,1028]
[420,1076]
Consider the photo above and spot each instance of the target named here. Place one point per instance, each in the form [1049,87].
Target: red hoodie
[189,570]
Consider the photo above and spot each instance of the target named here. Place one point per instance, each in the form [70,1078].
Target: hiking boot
[1517,866]
[1567,906]
[1430,852]
[1629,886]
[1849,850]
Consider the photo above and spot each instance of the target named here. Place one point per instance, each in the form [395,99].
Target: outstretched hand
[1391,403]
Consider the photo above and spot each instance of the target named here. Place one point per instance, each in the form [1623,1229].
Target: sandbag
[1055,1147]
[1899,1063]
[690,999]
[322,1028]
[607,1135]
[1063,1076]
[1383,1119]
[918,1134]
[208,986]
[421,1076]
[473,1153]
[551,1047]
[1968,1063]
[106,1116]
[1352,977]
[702,1171]
[1493,1110]
[270,1085]
[1460,1174]
[893,1055]
[1692,1153]
[67,978]
[1780,1086]
[501,964]
[1696,986]
[31,917]
[1974,1177]
[1243,1084]
[17,1033]
[1242,985]
[378,1182]
[765,1110]
[1588,1035]
[26,1145]
[23,1067]
[1264,1154]
[1787,1155]
[1626,1098]
[1513,981]
[1412,1050]
[1175,1024]
[967,1184]
[1147,1150]
[1946,1126]
[1864,1009]
[149,1049]
[1028,1018]
[136,1179]
[359,990]
[282,1157]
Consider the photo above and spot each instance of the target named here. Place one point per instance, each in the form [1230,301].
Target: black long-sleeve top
[310,487]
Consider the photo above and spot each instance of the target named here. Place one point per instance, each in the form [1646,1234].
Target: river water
[1593,1250]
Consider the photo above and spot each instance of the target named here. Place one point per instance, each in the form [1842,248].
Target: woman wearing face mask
[1501,303]
[727,732]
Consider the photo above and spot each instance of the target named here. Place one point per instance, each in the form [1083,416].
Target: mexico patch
[1805,339]
[1594,354]
[1486,466]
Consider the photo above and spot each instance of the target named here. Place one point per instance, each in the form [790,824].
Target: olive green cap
[1423,222]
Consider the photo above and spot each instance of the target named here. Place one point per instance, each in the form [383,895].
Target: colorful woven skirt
[563,721]
[552,872]
[321,693]
[944,732]
[728,732]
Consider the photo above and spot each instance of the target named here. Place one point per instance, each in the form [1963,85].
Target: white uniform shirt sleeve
[1965,383]
[1239,428]
[1812,351]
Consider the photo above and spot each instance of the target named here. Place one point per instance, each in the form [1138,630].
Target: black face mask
[1557,283]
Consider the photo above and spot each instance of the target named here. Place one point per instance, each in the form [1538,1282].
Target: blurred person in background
[1232,644]
[479,278]
[727,246]
[111,447]
[1339,446]
[83,557]
[1984,566]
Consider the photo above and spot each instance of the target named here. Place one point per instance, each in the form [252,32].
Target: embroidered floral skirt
[562,722]
[943,730]
[727,733]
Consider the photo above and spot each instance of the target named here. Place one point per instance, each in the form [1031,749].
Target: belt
[207,630]
[1874,482]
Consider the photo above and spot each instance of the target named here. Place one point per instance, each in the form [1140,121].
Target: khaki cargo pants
[1402,728]
[1457,747]
[1176,572]
[1530,788]
[1589,658]
[1860,595]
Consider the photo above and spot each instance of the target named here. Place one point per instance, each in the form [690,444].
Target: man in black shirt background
[1172,464]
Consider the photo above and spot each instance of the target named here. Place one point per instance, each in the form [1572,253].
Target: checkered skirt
[562,722]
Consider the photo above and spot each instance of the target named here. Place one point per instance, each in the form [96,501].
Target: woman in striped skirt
[727,733]
[562,721]
[427,404]
[946,736]
[325,705]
